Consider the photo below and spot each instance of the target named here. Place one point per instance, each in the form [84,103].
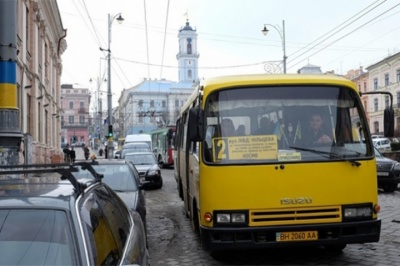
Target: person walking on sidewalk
[72,155]
[66,154]
[86,152]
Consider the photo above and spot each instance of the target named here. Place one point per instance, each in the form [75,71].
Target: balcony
[65,124]
[82,110]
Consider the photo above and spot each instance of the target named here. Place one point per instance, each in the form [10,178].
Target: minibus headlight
[357,212]
[231,217]
[238,218]
[223,218]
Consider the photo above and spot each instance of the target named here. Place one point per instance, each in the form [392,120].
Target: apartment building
[30,133]
[75,119]
[384,76]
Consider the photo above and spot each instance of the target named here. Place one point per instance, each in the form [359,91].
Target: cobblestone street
[173,242]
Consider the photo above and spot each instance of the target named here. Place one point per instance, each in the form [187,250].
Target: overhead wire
[147,40]
[165,37]
[335,30]
[364,44]
[165,31]
[352,31]
[205,67]
[95,33]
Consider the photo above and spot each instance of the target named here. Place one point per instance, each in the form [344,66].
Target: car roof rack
[64,169]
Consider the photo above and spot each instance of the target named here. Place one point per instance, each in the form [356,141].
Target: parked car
[123,177]
[382,143]
[388,172]
[147,165]
[48,217]
[134,147]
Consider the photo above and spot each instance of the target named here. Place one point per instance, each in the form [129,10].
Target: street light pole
[282,35]
[110,146]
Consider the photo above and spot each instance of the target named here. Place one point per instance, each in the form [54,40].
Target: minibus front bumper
[230,238]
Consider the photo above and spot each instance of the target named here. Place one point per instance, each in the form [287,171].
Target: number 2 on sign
[221,149]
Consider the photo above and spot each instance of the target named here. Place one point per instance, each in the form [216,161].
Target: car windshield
[117,176]
[141,159]
[134,148]
[35,237]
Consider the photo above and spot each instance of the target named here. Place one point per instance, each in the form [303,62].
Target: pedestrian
[86,152]
[72,155]
[105,152]
[66,154]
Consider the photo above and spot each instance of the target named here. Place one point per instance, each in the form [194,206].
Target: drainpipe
[10,133]
[59,41]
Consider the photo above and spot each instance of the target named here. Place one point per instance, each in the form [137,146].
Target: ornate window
[189,45]
[375,83]
[387,79]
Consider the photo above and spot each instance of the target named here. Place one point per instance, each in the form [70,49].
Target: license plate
[296,236]
[383,173]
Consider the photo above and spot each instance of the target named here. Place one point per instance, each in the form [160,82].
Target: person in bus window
[317,133]
[241,131]
[265,127]
[227,128]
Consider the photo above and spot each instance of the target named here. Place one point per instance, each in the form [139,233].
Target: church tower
[188,57]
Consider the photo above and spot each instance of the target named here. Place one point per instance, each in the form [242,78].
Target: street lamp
[282,35]
[110,146]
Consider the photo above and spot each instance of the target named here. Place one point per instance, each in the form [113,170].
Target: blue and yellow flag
[278,131]
[297,135]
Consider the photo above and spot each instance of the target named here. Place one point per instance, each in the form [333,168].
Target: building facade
[384,76]
[39,43]
[75,119]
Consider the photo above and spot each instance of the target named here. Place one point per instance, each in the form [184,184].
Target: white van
[139,138]
[382,143]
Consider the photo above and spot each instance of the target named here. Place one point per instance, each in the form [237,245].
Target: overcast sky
[336,35]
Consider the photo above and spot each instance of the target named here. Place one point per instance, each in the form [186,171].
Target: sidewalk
[80,155]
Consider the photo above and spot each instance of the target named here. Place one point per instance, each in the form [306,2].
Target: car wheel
[180,190]
[160,183]
[195,219]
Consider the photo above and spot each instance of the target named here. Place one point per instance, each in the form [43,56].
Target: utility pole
[10,133]
[110,146]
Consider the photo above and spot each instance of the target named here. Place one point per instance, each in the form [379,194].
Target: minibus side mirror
[388,122]
[195,124]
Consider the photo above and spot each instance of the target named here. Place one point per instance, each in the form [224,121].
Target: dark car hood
[143,167]
[384,160]
[130,198]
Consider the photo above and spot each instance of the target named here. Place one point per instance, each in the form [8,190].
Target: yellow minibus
[278,161]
